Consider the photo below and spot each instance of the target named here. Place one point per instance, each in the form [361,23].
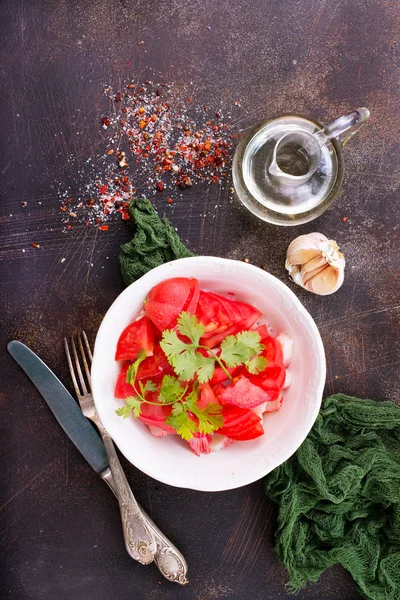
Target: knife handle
[140,542]
[168,559]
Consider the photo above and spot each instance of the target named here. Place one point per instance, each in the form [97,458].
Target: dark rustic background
[59,524]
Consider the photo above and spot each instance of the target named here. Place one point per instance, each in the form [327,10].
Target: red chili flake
[118,97]
[142,124]
[128,62]
[109,152]
[140,43]
[106,121]
[190,99]
[24,204]
[160,186]
[125,215]
[207,145]
[103,189]
[169,200]
[142,110]
[218,114]
[103,227]
[35,245]
[344,219]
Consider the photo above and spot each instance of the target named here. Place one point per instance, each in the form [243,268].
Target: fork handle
[168,559]
[139,540]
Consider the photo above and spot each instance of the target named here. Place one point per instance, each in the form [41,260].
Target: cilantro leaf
[237,349]
[256,364]
[171,390]
[131,404]
[189,326]
[133,368]
[209,417]
[190,363]
[149,386]
[171,344]
[180,420]
[123,411]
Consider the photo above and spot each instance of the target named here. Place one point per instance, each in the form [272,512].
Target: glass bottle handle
[343,128]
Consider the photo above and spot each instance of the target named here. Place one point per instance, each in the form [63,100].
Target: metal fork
[143,540]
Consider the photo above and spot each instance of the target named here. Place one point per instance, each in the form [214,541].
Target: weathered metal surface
[59,525]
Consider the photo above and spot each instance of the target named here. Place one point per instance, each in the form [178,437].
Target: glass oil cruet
[287,170]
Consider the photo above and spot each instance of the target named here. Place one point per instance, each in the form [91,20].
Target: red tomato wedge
[155,414]
[250,434]
[273,351]
[237,420]
[138,336]
[222,317]
[154,367]
[206,396]
[169,298]
[244,393]
[272,378]
[123,389]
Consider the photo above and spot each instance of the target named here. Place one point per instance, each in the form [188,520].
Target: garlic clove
[306,277]
[326,282]
[314,263]
[301,255]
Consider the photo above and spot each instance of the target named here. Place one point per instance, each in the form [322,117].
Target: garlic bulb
[315,263]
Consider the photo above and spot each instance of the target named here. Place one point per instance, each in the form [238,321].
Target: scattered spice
[156,139]
[169,200]
[35,245]
[344,219]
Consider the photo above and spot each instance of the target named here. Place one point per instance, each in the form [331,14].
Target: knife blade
[62,405]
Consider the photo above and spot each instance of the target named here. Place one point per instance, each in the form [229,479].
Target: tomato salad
[200,365]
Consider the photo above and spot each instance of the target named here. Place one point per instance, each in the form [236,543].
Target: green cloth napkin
[339,494]
[339,498]
[154,242]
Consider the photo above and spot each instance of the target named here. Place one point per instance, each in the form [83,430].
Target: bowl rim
[147,467]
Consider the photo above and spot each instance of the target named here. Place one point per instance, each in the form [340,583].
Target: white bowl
[169,459]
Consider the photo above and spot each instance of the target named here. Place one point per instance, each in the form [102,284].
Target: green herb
[208,419]
[241,349]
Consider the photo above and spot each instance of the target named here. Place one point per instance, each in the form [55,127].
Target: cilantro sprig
[186,417]
[188,362]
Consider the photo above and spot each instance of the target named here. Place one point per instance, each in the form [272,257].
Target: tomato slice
[123,389]
[154,367]
[237,420]
[138,336]
[263,331]
[206,396]
[220,375]
[155,414]
[167,300]
[250,434]
[193,298]
[222,317]
[271,378]
[244,393]
[272,351]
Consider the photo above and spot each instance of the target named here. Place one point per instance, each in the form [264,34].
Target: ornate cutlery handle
[139,540]
[168,559]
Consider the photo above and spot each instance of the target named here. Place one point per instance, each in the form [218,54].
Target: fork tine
[78,366]
[71,368]
[85,364]
[89,352]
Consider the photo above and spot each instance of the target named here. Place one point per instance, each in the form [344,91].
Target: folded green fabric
[339,498]
[154,242]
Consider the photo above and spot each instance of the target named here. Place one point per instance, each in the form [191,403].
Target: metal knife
[169,560]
